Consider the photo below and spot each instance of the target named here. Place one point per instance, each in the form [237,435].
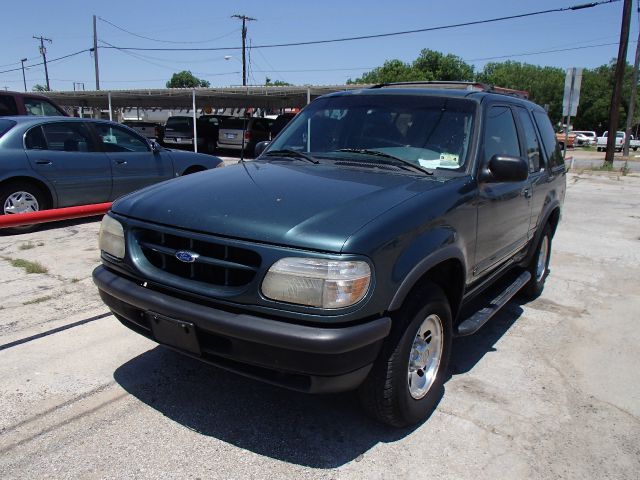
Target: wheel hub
[425,356]
[541,263]
[20,202]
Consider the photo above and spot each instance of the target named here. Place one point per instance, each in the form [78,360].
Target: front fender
[413,263]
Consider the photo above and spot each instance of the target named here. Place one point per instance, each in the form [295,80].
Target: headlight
[111,239]
[317,282]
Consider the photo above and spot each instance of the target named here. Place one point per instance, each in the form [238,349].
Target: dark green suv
[378,225]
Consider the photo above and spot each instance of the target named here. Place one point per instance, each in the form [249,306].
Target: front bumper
[300,357]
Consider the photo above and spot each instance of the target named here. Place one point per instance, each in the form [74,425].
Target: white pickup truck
[601,145]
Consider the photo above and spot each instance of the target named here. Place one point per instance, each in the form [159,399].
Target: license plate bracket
[174,333]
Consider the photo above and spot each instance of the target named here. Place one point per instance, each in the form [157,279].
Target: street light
[24,80]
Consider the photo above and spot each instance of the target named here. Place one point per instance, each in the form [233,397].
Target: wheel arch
[445,268]
[51,198]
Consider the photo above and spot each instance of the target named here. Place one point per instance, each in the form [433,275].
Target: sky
[208,24]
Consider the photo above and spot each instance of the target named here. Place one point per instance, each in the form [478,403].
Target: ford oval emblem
[186,257]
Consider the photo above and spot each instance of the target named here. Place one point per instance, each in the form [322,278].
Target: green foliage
[430,65]
[275,83]
[186,79]
[39,88]
[544,84]
[433,65]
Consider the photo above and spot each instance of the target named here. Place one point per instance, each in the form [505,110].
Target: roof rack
[455,85]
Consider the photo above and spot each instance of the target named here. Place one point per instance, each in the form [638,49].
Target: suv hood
[310,206]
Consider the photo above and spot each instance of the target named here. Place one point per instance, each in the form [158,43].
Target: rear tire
[406,381]
[539,266]
[22,197]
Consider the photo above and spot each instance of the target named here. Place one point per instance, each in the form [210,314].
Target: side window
[67,137]
[548,136]
[34,140]
[116,139]
[37,106]
[500,134]
[8,106]
[531,139]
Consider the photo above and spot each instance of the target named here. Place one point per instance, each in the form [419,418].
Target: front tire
[406,381]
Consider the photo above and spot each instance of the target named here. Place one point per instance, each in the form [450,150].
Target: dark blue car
[50,162]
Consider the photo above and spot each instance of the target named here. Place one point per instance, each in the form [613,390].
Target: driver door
[504,208]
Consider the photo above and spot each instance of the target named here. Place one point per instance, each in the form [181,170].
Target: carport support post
[110,109]
[195,127]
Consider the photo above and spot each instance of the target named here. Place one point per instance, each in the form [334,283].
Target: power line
[166,41]
[540,52]
[48,61]
[390,34]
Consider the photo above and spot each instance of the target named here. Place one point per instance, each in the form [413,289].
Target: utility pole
[95,53]
[617,86]
[632,98]
[43,52]
[24,79]
[244,19]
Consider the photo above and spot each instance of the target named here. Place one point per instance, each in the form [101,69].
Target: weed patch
[29,266]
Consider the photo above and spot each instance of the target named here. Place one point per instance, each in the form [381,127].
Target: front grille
[215,263]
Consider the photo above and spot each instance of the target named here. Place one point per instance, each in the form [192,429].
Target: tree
[275,83]
[544,84]
[391,71]
[186,79]
[39,88]
[432,65]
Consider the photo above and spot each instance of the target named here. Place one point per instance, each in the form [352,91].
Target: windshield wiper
[292,154]
[377,153]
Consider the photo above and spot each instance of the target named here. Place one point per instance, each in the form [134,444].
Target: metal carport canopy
[255,96]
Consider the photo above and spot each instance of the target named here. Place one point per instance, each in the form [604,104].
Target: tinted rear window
[5,126]
[234,123]
[179,123]
[8,106]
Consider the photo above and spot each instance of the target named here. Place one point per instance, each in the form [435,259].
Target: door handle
[121,162]
[43,162]
[526,192]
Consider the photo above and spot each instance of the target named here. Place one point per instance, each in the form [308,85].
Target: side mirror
[260,146]
[155,147]
[503,168]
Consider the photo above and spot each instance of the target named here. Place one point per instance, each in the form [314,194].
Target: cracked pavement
[547,389]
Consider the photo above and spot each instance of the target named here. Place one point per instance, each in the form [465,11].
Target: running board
[479,318]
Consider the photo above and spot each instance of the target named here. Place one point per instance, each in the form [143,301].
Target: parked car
[585,138]
[50,162]
[279,123]
[178,132]
[380,224]
[17,103]
[619,144]
[149,130]
[571,139]
[238,133]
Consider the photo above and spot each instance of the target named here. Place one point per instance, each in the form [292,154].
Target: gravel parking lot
[548,389]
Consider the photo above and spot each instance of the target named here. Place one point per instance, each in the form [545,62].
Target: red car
[16,103]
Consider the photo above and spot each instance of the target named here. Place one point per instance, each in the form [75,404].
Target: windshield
[5,126]
[429,132]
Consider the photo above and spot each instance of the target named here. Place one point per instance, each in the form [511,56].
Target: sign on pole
[572,83]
